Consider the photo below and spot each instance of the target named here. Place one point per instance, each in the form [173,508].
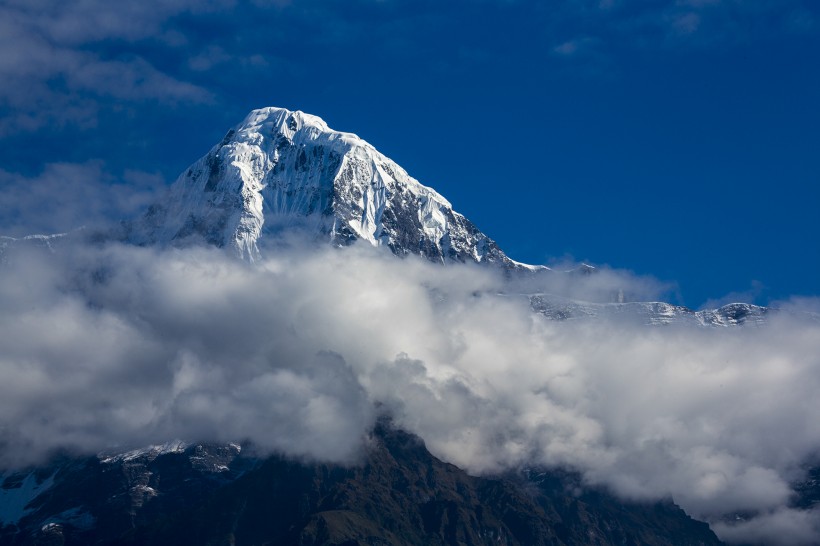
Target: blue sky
[676,138]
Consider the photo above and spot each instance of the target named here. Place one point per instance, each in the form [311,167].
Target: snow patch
[16,494]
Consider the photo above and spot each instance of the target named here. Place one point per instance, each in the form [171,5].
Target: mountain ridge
[399,494]
[281,171]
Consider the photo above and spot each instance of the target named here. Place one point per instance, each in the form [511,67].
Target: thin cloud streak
[676,24]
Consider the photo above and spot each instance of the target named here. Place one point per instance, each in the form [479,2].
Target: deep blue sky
[675,138]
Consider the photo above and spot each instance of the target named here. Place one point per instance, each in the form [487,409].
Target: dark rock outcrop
[399,495]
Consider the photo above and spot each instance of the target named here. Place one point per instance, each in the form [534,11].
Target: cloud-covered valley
[109,347]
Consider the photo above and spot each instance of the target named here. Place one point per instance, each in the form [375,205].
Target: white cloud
[130,346]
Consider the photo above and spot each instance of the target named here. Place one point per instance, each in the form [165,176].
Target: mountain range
[277,173]
[282,171]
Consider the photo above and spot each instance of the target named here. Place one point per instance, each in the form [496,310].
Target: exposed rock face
[399,495]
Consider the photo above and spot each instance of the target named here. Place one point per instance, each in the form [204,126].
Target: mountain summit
[281,169]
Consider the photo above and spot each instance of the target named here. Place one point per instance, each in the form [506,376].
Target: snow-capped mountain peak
[282,169]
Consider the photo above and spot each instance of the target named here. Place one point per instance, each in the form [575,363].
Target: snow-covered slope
[280,169]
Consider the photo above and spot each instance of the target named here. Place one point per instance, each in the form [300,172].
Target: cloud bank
[112,347]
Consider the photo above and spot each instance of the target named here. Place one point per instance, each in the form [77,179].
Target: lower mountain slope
[399,495]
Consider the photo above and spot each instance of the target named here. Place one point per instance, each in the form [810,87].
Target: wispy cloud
[59,66]
[680,23]
[745,296]
[67,196]
[65,62]
[576,46]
